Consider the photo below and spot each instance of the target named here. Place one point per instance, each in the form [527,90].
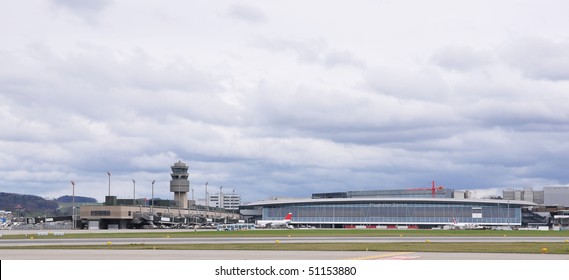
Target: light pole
[220,197]
[152,202]
[206,196]
[73,204]
[189,206]
[133,192]
[220,201]
[109,173]
[233,201]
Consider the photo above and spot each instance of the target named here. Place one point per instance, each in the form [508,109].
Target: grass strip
[293,232]
[459,247]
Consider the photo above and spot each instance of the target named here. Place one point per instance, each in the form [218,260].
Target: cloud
[246,13]
[421,83]
[311,52]
[344,115]
[284,106]
[88,10]
[90,105]
[334,58]
[539,58]
[105,80]
[90,5]
[461,58]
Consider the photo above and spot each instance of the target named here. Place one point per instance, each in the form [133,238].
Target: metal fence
[44,226]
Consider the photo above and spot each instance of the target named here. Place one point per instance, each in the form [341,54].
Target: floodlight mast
[109,173]
[133,192]
[73,204]
[152,202]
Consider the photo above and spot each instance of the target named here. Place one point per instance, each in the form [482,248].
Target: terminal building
[552,204]
[141,213]
[415,208]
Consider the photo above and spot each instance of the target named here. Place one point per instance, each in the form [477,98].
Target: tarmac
[64,254]
[59,254]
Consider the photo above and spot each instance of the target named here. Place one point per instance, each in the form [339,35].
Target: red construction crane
[433,189]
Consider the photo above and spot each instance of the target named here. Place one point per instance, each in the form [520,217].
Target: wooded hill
[27,204]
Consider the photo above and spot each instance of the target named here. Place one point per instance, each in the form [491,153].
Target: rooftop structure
[549,196]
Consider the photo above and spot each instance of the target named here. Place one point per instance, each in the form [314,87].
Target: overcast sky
[282,98]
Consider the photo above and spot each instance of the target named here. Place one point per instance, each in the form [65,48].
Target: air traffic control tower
[180,185]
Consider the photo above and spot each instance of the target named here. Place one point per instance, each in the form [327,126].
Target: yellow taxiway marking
[380,256]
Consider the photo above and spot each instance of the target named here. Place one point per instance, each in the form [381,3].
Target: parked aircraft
[275,223]
[458,225]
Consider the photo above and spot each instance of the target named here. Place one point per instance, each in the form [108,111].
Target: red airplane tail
[288,217]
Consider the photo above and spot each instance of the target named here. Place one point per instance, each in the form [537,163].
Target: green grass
[518,247]
[294,233]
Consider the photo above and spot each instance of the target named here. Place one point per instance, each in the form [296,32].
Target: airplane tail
[288,217]
[454,221]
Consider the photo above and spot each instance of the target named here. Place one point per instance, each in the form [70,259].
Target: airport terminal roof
[389,200]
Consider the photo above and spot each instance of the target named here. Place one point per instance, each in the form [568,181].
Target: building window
[101,213]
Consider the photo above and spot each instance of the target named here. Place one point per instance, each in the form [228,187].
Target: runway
[260,240]
[26,254]
[64,254]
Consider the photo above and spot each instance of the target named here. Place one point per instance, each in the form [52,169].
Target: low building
[121,217]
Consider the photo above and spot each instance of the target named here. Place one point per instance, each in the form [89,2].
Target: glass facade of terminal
[396,212]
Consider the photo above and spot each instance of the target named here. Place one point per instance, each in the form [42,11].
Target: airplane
[275,223]
[458,225]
